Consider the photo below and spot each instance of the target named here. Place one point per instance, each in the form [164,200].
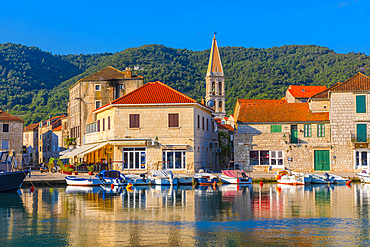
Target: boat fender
[112,186]
[238,180]
[277,177]
[348,182]
[129,186]
[261,183]
[32,189]
[214,183]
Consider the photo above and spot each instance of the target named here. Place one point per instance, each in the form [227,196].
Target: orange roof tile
[226,126]
[358,82]
[305,91]
[4,116]
[31,127]
[58,128]
[108,73]
[276,112]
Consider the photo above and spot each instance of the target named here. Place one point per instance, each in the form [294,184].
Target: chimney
[202,102]
[128,72]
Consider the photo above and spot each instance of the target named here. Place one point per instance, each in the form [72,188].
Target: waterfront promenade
[52,179]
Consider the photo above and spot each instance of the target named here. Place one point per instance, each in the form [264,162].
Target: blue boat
[10,181]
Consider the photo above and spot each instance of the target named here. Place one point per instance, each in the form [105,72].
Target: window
[207,125]
[265,157]
[198,121]
[5,145]
[307,130]
[97,104]
[103,124]
[174,159]
[109,122]
[320,130]
[361,159]
[5,127]
[121,86]
[173,120]
[98,127]
[97,87]
[361,132]
[202,122]
[134,158]
[134,120]
[276,158]
[275,128]
[360,103]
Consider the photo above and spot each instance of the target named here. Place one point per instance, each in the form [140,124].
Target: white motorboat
[205,178]
[160,177]
[79,181]
[364,176]
[287,177]
[235,177]
[340,180]
[322,179]
[112,177]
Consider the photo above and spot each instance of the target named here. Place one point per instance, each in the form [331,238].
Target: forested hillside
[35,84]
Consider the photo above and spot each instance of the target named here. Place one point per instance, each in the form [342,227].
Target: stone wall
[14,136]
[319,105]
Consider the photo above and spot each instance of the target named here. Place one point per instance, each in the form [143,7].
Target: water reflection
[226,215]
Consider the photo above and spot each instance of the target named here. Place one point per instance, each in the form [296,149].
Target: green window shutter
[307,130]
[275,128]
[360,104]
[361,132]
[321,130]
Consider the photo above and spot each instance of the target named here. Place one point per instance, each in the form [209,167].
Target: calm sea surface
[185,216]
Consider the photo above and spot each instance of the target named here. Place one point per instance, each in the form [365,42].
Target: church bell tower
[215,82]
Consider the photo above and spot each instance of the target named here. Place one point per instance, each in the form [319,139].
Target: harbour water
[321,215]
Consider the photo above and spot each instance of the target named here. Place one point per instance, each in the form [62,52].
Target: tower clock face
[210,103]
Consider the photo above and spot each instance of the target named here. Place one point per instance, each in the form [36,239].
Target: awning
[77,151]
[92,149]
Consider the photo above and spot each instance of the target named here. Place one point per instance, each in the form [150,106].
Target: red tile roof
[58,128]
[305,91]
[358,82]
[4,116]
[108,73]
[226,126]
[277,112]
[32,127]
[153,93]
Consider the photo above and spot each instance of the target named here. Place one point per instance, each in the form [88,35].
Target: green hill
[35,84]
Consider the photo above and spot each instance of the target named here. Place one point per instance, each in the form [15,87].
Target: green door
[322,161]
[293,134]
[361,133]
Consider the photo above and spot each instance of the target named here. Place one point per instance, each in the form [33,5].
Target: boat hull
[291,180]
[364,178]
[11,181]
[205,179]
[235,180]
[77,181]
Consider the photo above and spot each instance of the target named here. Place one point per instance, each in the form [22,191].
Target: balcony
[359,141]
[91,128]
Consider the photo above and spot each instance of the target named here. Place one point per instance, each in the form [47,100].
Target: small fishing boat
[322,179]
[160,177]
[79,181]
[183,179]
[235,177]
[10,180]
[290,178]
[340,180]
[364,176]
[205,178]
[112,177]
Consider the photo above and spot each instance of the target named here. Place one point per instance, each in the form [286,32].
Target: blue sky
[79,26]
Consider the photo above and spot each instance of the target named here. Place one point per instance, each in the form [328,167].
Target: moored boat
[287,177]
[322,179]
[112,177]
[364,176]
[138,179]
[340,180]
[163,177]
[205,178]
[235,177]
[79,181]
[10,180]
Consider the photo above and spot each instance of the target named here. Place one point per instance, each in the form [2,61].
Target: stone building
[348,106]
[273,134]
[301,94]
[153,127]
[49,138]
[215,82]
[11,134]
[30,142]
[95,91]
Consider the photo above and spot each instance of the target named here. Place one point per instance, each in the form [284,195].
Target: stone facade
[11,134]
[50,139]
[155,136]
[93,92]
[30,142]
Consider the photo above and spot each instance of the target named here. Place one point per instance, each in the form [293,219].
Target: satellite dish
[210,103]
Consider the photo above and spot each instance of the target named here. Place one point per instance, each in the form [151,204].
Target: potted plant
[77,165]
[91,169]
[51,164]
[70,170]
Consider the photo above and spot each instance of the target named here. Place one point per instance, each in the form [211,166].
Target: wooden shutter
[361,132]
[360,104]
[134,120]
[109,122]
[98,125]
[103,124]
[173,120]
[275,128]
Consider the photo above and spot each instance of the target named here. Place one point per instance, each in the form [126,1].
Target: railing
[363,139]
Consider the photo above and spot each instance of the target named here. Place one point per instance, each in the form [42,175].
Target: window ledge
[174,128]
[134,128]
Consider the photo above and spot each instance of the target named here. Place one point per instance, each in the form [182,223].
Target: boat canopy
[234,173]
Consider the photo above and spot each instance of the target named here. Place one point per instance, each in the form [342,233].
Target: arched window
[220,106]
[213,88]
[216,68]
